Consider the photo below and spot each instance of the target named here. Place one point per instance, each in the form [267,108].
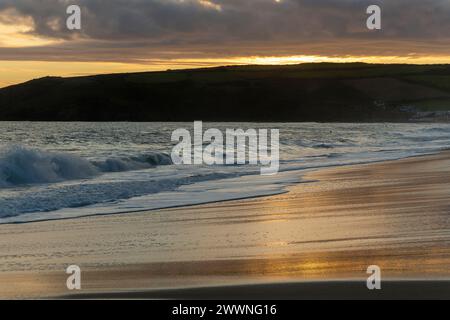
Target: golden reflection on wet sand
[392,214]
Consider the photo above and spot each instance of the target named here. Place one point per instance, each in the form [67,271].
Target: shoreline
[332,229]
[283,190]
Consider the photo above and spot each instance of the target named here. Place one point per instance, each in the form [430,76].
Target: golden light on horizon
[297,59]
[35,42]
[14,72]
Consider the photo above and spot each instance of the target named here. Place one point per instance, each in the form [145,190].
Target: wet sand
[330,227]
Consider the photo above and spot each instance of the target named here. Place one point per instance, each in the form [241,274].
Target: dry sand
[332,227]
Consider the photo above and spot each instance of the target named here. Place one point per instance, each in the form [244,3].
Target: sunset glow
[177,34]
[19,71]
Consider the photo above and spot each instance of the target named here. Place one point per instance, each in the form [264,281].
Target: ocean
[56,170]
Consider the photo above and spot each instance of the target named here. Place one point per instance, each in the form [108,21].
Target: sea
[61,170]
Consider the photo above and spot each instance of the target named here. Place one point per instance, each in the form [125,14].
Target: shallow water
[62,170]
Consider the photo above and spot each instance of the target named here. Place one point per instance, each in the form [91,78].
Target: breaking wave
[20,165]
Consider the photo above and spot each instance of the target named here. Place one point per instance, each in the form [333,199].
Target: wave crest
[20,165]
[140,162]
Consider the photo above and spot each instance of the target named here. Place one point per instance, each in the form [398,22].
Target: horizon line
[187,69]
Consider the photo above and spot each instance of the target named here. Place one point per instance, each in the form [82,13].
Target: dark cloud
[134,29]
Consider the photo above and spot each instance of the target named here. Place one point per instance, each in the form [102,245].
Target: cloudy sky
[138,35]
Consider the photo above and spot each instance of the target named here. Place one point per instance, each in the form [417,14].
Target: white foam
[206,191]
[20,165]
[79,169]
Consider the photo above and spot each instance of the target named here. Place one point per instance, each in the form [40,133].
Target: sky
[147,35]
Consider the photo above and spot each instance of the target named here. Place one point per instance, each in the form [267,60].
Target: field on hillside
[306,92]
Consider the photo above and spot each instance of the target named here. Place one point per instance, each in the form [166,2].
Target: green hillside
[306,92]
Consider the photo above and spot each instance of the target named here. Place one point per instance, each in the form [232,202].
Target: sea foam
[20,165]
